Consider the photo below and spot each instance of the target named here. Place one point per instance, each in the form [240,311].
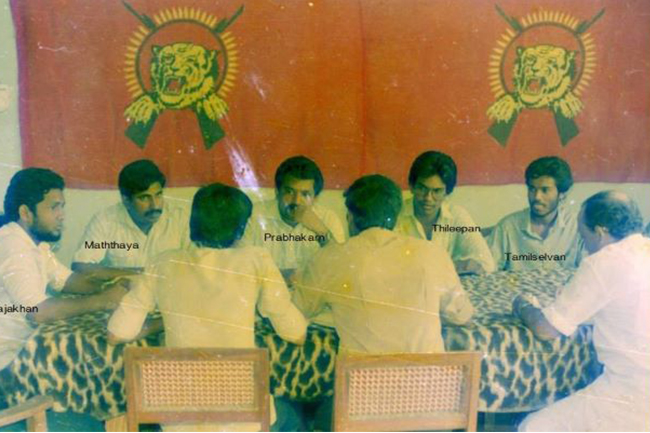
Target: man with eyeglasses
[428,215]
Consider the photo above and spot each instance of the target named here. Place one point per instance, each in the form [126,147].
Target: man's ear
[26,215]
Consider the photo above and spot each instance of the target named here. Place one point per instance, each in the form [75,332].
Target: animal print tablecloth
[72,361]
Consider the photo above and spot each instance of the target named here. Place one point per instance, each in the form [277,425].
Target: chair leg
[37,422]
[117,424]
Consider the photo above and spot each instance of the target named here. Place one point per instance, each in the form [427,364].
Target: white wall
[487,204]
[10,160]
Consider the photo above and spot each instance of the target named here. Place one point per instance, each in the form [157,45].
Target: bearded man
[33,207]
[546,234]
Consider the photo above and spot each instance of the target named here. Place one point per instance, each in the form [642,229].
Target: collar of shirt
[444,218]
[559,223]
[376,236]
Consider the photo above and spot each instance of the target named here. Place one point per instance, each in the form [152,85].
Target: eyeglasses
[422,191]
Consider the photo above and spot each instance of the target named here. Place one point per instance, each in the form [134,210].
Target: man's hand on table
[60,307]
[528,309]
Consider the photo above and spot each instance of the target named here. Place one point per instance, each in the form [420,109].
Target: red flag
[226,90]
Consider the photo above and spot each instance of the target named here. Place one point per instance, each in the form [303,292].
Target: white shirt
[26,270]
[290,254]
[208,298]
[611,289]
[114,224]
[514,235]
[459,245]
[386,292]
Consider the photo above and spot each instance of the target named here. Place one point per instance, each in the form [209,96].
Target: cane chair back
[407,392]
[179,385]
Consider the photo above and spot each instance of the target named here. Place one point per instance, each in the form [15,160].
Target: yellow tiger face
[543,74]
[182,73]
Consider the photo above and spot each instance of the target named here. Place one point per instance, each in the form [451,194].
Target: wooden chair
[172,385]
[33,410]
[407,392]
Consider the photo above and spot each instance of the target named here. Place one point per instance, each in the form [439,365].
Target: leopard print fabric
[72,361]
[519,372]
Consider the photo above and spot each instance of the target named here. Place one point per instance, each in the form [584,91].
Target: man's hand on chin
[306,216]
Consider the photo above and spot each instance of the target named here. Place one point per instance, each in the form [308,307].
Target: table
[72,361]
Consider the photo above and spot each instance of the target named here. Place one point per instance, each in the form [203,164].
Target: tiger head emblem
[543,74]
[182,73]
[542,79]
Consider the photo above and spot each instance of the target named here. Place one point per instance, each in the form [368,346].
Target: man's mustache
[153,212]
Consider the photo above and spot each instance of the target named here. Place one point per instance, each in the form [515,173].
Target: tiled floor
[68,421]
[499,422]
[59,422]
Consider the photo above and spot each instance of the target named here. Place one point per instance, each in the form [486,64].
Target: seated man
[122,239]
[546,235]
[611,290]
[222,285]
[384,293]
[293,226]
[33,207]
[429,216]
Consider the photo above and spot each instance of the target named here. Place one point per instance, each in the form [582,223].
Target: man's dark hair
[28,187]
[374,201]
[554,167]
[299,167]
[219,215]
[138,176]
[434,163]
[614,211]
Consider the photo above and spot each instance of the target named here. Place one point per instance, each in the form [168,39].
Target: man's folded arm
[101,273]
[128,321]
[56,308]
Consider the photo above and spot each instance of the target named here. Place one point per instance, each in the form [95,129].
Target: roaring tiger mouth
[534,86]
[174,85]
